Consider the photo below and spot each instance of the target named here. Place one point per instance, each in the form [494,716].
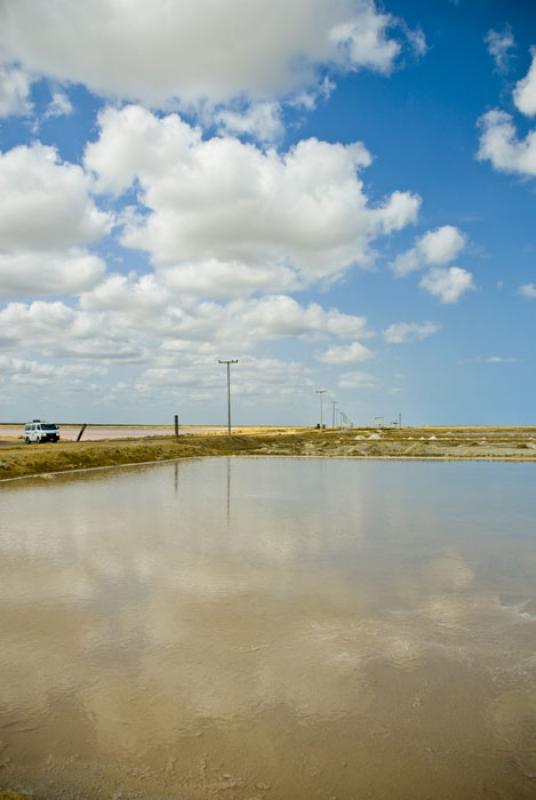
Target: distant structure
[228,362]
[321,393]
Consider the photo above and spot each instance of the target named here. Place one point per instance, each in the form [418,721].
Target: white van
[37,431]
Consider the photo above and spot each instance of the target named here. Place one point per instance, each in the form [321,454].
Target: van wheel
[26,440]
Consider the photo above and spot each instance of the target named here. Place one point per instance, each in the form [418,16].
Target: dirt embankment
[508,444]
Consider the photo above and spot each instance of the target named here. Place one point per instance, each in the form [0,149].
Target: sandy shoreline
[18,460]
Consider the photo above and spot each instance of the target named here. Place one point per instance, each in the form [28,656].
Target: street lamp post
[228,364]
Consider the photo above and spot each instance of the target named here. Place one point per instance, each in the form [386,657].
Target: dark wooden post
[177,426]
[82,429]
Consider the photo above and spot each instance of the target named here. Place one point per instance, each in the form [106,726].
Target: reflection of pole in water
[228,497]
[176,477]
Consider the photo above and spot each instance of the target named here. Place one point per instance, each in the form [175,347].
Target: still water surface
[270,628]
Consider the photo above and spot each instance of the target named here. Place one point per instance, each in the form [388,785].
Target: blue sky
[340,194]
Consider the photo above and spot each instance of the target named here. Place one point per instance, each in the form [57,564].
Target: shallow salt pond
[270,628]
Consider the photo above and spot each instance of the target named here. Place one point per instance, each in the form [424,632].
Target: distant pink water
[102,432]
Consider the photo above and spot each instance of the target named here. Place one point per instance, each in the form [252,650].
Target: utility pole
[334,404]
[321,393]
[228,364]
[346,422]
[399,420]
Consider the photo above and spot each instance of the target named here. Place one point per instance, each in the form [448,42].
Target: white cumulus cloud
[404,332]
[47,217]
[261,121]
[448,285]
[499,144]
[280,316]
[363,41]
[436,247]
[45,204]
[134,320]
[525,90]
[56,330]
[31,273]
[122,293]
[14,91]
[528,290]
[40,373]
[60,105]
[356,380]
[499,140]
[345,354]
[500,44]
[244,323]
[159,51]
[225,217]
[253,378]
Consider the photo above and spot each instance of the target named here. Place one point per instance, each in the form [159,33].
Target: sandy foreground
[18,460]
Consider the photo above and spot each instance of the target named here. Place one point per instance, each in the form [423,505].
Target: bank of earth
[508,444]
